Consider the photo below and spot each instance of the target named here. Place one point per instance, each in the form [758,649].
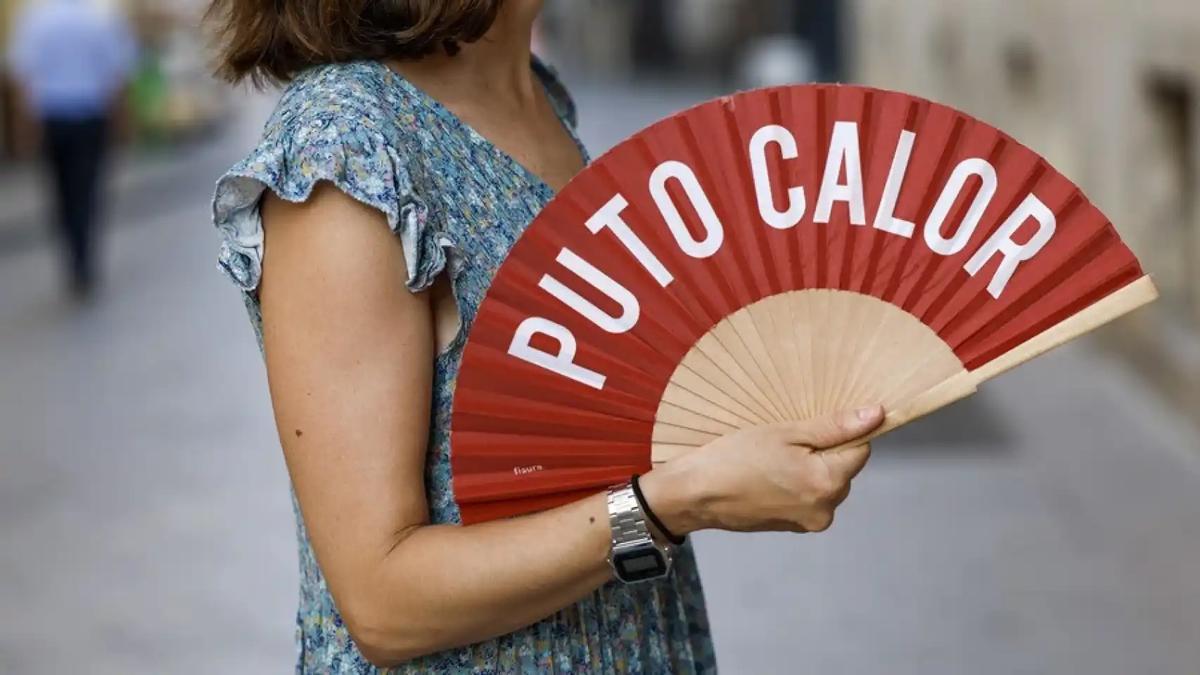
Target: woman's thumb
[837,429]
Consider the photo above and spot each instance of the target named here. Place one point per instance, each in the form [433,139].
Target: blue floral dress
[457,203]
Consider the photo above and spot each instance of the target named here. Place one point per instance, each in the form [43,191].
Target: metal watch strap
[635,556]
[625,517]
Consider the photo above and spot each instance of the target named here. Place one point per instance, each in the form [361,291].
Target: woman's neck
[497,64]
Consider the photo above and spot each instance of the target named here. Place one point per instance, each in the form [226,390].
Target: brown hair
[273,40]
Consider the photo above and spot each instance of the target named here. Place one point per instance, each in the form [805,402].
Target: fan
[771,256]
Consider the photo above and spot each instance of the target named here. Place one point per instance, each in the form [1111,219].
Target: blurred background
[1050,524]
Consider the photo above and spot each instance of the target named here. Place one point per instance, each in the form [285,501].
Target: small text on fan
[841,185]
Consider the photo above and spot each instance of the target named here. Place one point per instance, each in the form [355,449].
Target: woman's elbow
[377,648]
[382,635]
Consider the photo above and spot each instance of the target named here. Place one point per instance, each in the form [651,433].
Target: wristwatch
[635,555]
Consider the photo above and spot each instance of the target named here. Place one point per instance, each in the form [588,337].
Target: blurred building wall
[694,39]
[1108,91]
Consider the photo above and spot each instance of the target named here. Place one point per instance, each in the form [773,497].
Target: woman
[415,141]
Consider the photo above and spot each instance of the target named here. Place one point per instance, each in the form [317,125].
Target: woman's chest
[479,208]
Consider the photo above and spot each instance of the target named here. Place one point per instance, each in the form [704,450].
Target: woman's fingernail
[866,414]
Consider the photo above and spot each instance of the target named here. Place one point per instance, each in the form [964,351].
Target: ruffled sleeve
[334,145]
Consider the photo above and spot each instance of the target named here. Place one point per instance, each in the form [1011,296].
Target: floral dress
[457,203]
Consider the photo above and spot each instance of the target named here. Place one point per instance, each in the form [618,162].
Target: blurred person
[72,61]
[413,144]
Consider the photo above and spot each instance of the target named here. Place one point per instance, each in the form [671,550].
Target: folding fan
[771,256]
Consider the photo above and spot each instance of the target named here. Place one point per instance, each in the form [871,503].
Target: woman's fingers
[846,463]
[790,476]
[831,431]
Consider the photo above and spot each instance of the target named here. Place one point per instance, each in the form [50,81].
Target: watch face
[639,563]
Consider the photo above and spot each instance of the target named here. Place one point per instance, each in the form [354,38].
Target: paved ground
[1049,525]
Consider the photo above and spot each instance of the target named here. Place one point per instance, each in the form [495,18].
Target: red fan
[770,256]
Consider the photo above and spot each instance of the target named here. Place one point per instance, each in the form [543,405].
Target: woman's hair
[273,40]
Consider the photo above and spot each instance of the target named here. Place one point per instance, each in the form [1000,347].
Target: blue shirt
[71,58]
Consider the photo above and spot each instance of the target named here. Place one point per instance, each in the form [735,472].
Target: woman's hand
[771,478]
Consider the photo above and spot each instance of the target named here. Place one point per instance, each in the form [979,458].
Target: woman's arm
[349,356]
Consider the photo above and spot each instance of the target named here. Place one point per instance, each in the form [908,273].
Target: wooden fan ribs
[863,273]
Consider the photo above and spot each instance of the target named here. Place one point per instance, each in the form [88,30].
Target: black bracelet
[637,492]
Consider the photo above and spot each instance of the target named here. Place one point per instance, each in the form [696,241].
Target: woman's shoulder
[336,124]
[350,87]
[356,96]
[364,99]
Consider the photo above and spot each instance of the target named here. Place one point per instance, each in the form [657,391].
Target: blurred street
[1049,525]
[147,186]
